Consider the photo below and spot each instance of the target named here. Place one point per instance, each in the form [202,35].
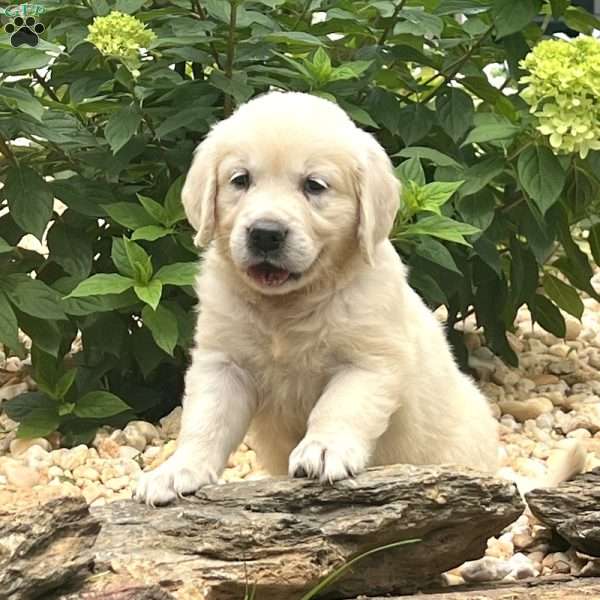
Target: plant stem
[390,25]
[455,68]
[46,87]
[7,152]
[301,16]
[203,16]
[228,108]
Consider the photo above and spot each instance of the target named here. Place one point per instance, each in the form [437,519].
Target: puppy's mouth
[269,275]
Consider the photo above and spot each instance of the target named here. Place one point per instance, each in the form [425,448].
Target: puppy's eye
[240,180]
[314,185]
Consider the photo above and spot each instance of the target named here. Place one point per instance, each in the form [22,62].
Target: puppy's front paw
[171,479]
[327,460]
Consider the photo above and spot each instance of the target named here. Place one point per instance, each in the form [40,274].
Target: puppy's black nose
[266,236]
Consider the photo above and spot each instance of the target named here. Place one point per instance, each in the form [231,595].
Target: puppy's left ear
[379,198]
[199,192]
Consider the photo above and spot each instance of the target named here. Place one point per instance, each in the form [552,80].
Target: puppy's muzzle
[266,238]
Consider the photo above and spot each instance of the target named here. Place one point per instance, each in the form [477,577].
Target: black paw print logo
[24,31]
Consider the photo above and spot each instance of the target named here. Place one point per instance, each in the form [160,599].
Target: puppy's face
[281,188]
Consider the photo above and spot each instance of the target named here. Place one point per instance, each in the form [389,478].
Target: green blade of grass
[341,570]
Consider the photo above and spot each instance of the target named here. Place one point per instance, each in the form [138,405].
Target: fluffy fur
[341,366]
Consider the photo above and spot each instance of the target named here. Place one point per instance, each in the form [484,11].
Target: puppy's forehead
[288,135]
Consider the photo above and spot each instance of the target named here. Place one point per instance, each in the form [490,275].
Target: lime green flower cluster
[563,90]
[120,35]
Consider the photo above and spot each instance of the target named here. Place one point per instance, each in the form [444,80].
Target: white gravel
[553,395]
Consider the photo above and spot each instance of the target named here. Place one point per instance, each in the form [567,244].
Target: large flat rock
[284,535]
[573,510]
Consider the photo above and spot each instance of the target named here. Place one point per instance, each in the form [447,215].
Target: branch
[46,87]
[302,14]
[7,152]
[392,22]
[203,16]
[455,68]
[228,108]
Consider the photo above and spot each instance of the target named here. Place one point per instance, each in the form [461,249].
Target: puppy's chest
[292,366]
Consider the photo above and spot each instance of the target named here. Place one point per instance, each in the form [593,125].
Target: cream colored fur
[336,371]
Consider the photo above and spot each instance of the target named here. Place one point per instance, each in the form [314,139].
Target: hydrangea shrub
[563,90]
[500,204]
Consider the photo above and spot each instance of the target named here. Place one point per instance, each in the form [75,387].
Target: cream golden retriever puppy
[308,333]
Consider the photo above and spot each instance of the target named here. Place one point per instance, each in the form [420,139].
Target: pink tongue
[269,276]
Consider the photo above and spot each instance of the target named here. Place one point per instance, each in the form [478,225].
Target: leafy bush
[487,217]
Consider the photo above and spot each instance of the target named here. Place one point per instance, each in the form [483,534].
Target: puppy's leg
[344,426]
[217,408]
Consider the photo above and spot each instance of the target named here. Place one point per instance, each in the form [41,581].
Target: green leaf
[22,60]
[491,133]
[594,240]
[440,227]
[41,421]
[350,70]
[163,326]
[575,265]
[359,115]
[5,246]
[565,296]
[20,406]
[488,252]
[32,296]
[153,208]
[139,261]
[580,19]
[178,273]
[174,211]
[415,122]
[45,369]
[415,21]
[235,86]
[99,405]
[559,7]
[435,156]
[8,324]
[548,316]
[22,100]
[70,249]
[427,286]
[150,293]
[46,334]
[102,283]
[29,199]
[321,64]
[127,214]
[411,170]
[541,175]
[511,16]
[437,253]
[65,382]
[477,209]
[192,118]
[151,233]
[465,7]
[524,277]
[122,126]
[435,195]
[293,38]
[454,111]
[481,173]
[120,259]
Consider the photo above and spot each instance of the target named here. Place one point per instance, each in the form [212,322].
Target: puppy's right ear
[199,192]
